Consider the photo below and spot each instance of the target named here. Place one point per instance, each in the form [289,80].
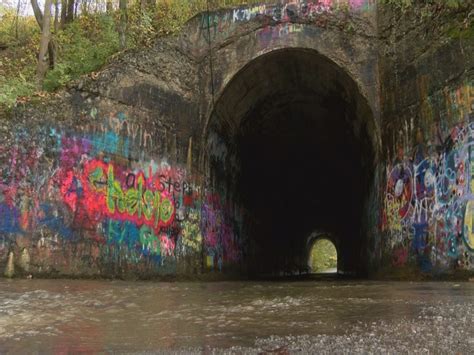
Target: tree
[40,21]
[44,41]
[56,15]
[70,11]
[37,12]
[18,7]
[123,24]
[63,12]
[109,7]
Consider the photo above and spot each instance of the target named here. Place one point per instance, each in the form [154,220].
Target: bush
[82,47]
[87,43]
[11,88]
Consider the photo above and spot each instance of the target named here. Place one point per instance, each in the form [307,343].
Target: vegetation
[405,4]
[84,39]
[323,256]
[85,34]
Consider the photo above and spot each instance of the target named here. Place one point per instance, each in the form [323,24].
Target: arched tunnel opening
[291,141]
[322,258]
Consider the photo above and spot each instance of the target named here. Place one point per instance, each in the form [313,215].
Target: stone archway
[317,236]
[318,240]
[291,140]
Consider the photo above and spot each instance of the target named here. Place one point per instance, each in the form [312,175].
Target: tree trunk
[109,7]
[39,20]
[17,18]
[37,12]
[70,11]
[123,23]
[63,12]
[85,7]
[51,53]
[44,42]
[56,15]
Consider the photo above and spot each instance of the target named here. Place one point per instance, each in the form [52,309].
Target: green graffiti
[114,193]
[149,240]
[135,202]
[166,210]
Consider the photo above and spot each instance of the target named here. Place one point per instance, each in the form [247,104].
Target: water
[111,316]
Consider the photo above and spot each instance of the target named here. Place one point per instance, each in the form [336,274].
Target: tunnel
[291,141]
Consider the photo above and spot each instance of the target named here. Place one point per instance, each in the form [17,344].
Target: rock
[24,261]
[10,268]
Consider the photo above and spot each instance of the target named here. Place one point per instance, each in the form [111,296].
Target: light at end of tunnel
[323,257]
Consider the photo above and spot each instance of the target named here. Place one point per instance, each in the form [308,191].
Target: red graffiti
[105,190]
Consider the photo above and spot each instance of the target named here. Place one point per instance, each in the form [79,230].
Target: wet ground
[244,317]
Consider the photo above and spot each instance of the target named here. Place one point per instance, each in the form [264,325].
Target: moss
[457,32]
[406,4]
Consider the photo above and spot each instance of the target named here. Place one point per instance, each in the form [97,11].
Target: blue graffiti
[109,142]
[50,219]
[9,219]
[120,233]
[420,241]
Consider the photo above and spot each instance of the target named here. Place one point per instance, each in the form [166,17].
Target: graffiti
[400,256]
[400,189]
[10,219]
[220,239]
[429,200]
[109,129]
[97,191]
[191,233]
[151,245]
[123,233]
[80,198]
[272,33]
[469,226]
[167,245]
[289,11]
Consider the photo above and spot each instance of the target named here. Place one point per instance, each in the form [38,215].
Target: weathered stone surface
[227,147]
[427,112]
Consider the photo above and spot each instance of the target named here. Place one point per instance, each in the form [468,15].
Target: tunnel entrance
[289,140]
[322,256]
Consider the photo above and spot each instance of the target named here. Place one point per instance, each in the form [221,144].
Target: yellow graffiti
[210,261]
[469,225]
[459,102]
[394,221]
[472,179]
[191,234]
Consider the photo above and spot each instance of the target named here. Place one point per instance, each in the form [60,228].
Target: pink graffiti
[217,227]
[167,246]
[72,151]
[104,190]
[355,4]
[400,257]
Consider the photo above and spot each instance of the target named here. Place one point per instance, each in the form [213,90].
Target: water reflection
[85,316]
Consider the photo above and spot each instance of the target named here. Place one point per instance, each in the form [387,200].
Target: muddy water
[113,316]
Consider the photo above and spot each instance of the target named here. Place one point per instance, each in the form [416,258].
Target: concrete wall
[112,176]
[97,182]
[427,100]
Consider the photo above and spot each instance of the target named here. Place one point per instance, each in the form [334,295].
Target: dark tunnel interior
[299,158]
